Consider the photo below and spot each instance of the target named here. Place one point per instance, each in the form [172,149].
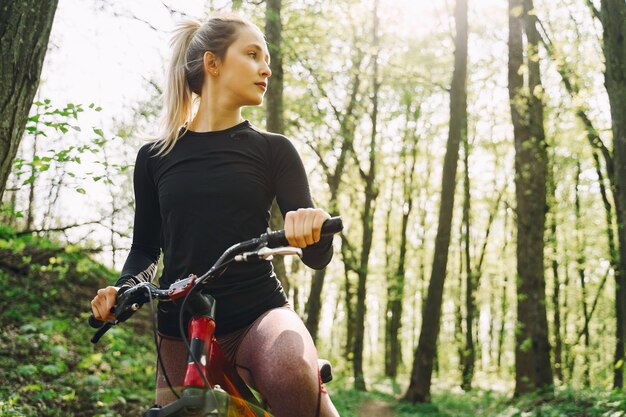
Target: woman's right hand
[102,303]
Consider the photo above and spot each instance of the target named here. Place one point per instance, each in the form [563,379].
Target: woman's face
[244,71]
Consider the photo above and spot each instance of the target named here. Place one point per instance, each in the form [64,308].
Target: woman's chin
[256,102]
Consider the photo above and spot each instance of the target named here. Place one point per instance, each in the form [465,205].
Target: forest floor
[375,408]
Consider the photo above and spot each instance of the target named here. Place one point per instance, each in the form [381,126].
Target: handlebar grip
[93,322]
[331,226]
[101,331]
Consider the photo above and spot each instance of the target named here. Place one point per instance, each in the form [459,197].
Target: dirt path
[374,408]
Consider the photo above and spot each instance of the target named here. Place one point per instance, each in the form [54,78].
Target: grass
[48,367]
[566,402]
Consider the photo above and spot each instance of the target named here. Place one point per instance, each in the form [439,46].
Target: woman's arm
[141,263]
[302,220]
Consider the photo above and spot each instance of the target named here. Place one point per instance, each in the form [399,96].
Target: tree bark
[274,111]
[421,375]
[24,32]
[367,216]
[532,351]
[556,294]
[30,217]
[580,266]
[613,17]
[396,282]
[350,314]
[468,358]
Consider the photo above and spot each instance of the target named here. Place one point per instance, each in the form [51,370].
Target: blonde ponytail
[185,74]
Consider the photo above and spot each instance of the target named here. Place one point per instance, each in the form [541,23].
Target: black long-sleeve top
[215,189]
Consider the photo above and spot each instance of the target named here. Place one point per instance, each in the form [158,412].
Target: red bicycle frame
[206,361]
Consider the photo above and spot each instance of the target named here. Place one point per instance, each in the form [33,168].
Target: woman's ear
[211,63]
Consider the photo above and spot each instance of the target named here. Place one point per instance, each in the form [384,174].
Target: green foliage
[47,364]
[567,402]
[49,120]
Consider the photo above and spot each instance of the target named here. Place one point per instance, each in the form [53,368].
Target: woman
[210,184]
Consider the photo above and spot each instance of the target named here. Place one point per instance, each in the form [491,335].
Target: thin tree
[24,37]
[396,282]
[552,241]
[580,267]
[473,275]
[532,350]
[274,108]
[419,387]
[504,302]
[612,14]
[367,215]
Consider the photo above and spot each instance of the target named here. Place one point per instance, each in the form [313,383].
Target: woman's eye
[252,54]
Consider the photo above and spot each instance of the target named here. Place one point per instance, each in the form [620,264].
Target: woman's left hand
[303,226]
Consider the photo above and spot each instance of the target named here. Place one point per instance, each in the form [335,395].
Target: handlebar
[263,247]
[277,239]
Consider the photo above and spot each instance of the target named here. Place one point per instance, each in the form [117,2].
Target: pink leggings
[275,355]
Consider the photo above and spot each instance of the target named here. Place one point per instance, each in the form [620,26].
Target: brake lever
[266,253]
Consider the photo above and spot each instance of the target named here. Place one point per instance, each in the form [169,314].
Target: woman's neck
[214,117]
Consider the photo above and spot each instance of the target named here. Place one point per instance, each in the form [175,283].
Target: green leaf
[98,132]
[80,190]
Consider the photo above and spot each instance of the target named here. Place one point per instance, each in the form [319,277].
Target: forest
[475,150]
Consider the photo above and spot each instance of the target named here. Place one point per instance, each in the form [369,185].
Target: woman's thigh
[278,358]
[173,354]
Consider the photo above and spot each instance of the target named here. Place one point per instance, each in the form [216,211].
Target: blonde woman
[208,182]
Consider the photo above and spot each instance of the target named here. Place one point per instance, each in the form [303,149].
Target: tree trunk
[556,294]
[580,266]
[313,306]
[613,18]
[421,375]
[350,314]
[30,217]
[390,273]
[274,111]
[24,37]
[504,305]
[367,218]
[567,351]
[396,284]
[469,355]
[532,351]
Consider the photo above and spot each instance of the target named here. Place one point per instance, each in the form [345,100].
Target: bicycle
[211,388]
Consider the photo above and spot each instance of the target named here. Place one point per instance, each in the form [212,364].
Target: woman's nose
[265,70]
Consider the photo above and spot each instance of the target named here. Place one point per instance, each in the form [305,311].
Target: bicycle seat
[326,370]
